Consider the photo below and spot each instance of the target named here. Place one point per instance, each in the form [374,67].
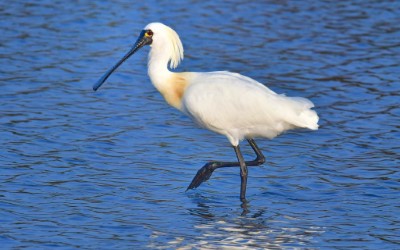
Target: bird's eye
[149,33]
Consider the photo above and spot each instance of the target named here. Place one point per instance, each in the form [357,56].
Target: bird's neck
[158,68]
[171,85]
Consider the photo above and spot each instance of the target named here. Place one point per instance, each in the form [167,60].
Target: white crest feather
[176,48]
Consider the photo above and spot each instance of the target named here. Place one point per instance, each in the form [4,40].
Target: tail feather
[305,117]
[309,119]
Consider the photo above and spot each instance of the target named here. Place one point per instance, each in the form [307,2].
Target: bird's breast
[174,88]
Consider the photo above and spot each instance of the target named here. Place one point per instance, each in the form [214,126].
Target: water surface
[109,169]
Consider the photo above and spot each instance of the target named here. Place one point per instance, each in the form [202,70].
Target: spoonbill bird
[227,103]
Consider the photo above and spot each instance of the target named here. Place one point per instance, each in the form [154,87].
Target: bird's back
[240,107]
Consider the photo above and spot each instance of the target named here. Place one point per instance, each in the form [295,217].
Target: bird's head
[161,38]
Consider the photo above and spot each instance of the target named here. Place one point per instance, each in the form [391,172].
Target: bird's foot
[202,175]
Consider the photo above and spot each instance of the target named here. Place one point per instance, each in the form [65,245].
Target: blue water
[109,169]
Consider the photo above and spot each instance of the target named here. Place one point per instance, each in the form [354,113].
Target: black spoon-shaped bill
[143,39]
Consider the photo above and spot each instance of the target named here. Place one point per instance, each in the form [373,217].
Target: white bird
[227,103]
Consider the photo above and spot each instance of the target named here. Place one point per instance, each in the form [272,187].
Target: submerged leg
[206,171]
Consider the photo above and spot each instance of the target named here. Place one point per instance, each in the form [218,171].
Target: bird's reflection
[245,224]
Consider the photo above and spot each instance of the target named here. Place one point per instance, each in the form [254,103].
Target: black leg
[260,159]
[243,174]
[206,171]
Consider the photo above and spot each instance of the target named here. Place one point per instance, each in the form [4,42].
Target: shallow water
[109,169]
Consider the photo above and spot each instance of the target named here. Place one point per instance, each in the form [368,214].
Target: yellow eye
[148,33]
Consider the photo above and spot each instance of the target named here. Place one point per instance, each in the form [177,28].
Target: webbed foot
[202,175]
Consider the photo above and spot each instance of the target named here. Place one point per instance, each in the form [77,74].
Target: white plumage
[227,103]
[239,107]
